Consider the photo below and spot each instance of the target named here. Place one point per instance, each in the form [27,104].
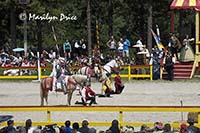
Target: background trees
[117,17]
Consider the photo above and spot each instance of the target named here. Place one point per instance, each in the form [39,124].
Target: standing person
[126,46]
[173,44]
[119,86]
[139,42]
[120,47]
[107,86]
[112,45]
[88,94]
[186,42]
[83,47]
[67,126]
[67,49]
[77,48]
[168,62]
[186,48]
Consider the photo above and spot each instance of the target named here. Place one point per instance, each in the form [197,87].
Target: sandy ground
[136,93]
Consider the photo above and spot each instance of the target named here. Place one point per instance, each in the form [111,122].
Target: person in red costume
[88,94]
[119,86]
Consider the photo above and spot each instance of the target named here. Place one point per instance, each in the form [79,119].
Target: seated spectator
[183,128]
[192,128]
[20,129]
[25,63]
[10,127]
[158,127]
[167,128]
[114,127]
[129,129]
[92,130]
[144,129]
[7,63]
[75,128]
[67,126]
[84,128]
[28,126]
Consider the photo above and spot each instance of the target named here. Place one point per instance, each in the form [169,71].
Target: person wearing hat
[107,86]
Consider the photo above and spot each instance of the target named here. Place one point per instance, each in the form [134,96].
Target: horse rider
[60,76]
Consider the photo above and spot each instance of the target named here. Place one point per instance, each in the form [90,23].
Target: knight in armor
[60,75]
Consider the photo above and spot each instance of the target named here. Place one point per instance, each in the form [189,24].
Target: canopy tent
[185,4]
[188,4]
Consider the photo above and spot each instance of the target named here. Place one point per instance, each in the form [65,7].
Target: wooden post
[172,21]
[196,59]
[197,31]
[121,120]
[48,116]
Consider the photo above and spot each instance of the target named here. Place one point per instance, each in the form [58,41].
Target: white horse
[112,66]
[90,71]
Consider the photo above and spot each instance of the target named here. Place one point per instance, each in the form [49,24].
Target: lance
[55,38]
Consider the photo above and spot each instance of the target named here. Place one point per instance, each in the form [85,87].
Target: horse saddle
[48,83]
[59,85]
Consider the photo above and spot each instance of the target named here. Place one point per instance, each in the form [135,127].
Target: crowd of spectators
[69,127]
[76,52]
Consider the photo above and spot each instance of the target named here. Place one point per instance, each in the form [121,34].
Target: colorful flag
[158,42]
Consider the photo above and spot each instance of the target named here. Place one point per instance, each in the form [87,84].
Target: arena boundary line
[118,109]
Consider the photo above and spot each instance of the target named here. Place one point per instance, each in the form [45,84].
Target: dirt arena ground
[136,93]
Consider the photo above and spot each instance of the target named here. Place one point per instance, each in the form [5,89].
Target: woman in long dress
[186,51]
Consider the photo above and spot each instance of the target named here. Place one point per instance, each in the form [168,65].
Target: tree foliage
[128,18]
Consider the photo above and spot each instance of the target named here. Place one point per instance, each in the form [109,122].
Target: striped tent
[185,4]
